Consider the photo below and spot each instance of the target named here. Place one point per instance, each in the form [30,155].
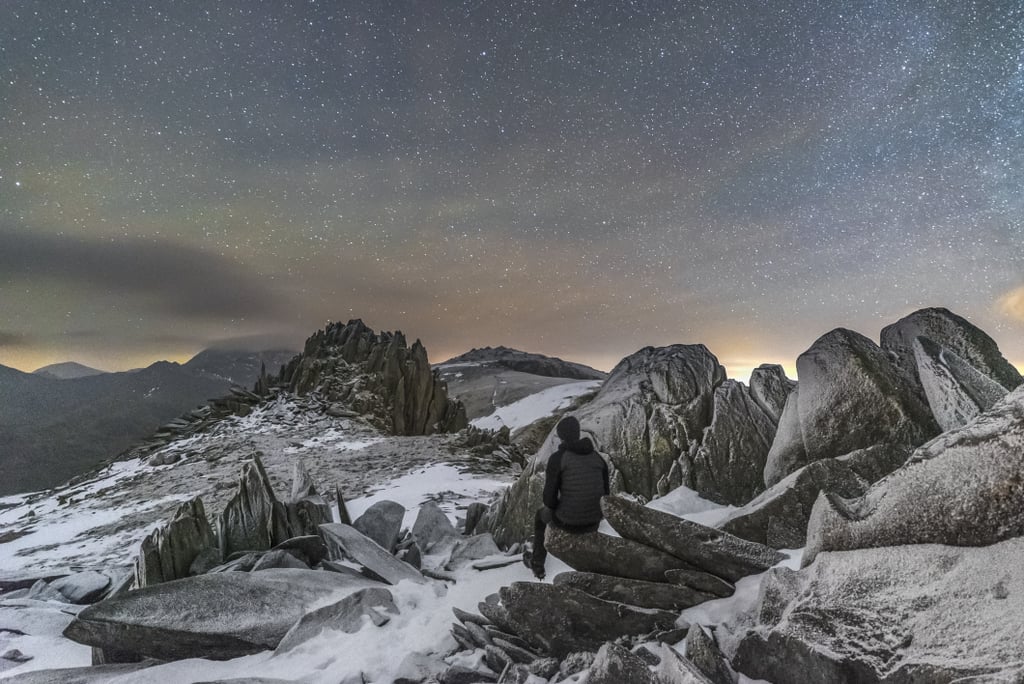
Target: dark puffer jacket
[575,480]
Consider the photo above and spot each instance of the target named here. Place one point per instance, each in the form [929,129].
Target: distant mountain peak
[525,362]
[68,370]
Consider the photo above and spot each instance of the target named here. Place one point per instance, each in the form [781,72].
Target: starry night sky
[578,179]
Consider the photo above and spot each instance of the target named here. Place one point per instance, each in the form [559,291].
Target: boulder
[347,615]
[218,616]
[382,522]
[700,581]
[346,541]
[633,592]
[875,462]
[560,620]
[713,551]
[432,529]
[899,614]
[307,514]
[728,466]
[278,559]
[168,552]
[778,518]
[787,453]
[851,396]
[614,664]
[308,548]
[956,391]
[647,415]
[672,668]
[704,653]
[474,512]
[82,587]
[963,488]
[953,333]
[78,675]
[607,555]
[469,549]
[302,483]
[770,388]
[253,519]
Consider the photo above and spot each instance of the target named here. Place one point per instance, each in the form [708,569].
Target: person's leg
[540,554]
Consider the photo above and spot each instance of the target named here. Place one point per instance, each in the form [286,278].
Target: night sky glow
[578,179]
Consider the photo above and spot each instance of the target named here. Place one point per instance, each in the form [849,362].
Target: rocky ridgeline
[525,362]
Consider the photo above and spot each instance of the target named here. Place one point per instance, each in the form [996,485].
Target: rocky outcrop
[851,396]
[953,333]
[346,616]
[728,466]
[345,541]
[167,553]
[218,616]
[703,652]
[607,555]
[525,362]
[770,388]
[956,391]
[560,620]
[778,517]
[713,551]
[375,375]
[648,416]
[964,488]
[305,509]
[902,615]
[634,592]
[253,519]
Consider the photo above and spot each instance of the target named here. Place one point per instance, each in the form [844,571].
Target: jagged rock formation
[899,614]
[851,396]
[964,488]
[168,552]
[956,391]
[375,375]
[770,388]
[253,519]
[949,332]
[778,517]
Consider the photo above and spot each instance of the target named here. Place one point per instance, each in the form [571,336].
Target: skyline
[574,181]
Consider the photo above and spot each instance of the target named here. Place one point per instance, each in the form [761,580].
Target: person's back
[575,480]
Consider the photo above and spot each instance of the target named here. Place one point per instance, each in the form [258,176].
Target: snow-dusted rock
[875,462]
[956,390]
[253,519]
[82,587]
[778,517]
[770,388]
[728,467]
[607,555]
[432,529]
[78,675]
[346,541]
[673,668]
[704,653]
[647,415]
[346,615]
[278,559]
[851,396]
[560,620]
[951,332]
[634,592]
[899,614]
[705,548]
[168,552]
[787,452]
[614,664]
[468,549]
[218,616]
[382,522]
[965,487]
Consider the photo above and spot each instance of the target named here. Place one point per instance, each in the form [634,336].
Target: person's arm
[553,480]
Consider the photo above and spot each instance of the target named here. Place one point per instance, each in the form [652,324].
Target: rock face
[253,519]
[902,615]
[770,388]
[728,467]
[346,616]
[953,333]
[705,548]
[382,522]
[851,396]
[167,553]
[561,620]
[778,517]
[375,375]
[346,541]
[647,417]
[218,616]
[956,390]
[634,592]
[964,488]
[607,555]
[525,362]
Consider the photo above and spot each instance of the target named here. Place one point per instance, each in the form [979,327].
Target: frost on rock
[956,390]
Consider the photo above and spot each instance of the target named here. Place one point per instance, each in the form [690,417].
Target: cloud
[1011,304]
[177,280]
[13,339]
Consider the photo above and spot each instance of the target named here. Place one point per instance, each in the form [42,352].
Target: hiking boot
[536,567]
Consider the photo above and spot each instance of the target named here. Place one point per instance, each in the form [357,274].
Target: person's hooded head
[568,430]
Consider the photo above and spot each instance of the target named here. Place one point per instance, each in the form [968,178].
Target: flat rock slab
[98,674]
[714,551]
[634,592]
[219,616]
[561,620]
[701,581]
[607,555]
[346,616]
[369,554]
[900,614]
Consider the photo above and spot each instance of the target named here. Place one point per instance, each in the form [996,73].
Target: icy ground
[536,406]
